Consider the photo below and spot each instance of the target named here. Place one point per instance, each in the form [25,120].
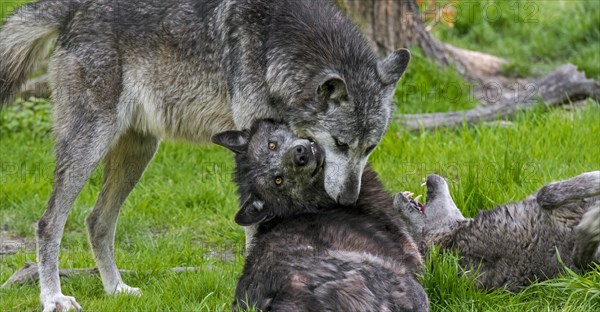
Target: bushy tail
[25,40]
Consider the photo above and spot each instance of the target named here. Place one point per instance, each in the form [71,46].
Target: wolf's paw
[60,302]
[405,202]
[401,200]
[413,213]
[124,289]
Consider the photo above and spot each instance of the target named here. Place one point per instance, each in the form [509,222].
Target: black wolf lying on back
[127,73]
[311,254]
[515,243]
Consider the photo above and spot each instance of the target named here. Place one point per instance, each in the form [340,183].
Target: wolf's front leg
[412,213]
[246,109]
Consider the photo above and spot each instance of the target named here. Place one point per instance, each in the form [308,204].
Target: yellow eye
[272,146]
[278,180]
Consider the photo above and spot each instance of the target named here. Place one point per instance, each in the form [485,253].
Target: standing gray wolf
[515,243]
[127,73]
[310,253]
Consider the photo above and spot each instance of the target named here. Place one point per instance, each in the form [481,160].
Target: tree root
[564,85]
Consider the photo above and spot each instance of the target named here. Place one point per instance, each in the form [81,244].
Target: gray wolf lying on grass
[515,243]
[310,253]
[127,73]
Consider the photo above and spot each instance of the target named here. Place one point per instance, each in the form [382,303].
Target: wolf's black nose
[301,157]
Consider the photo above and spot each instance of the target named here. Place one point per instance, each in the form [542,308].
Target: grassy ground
[181,213]
[533,35]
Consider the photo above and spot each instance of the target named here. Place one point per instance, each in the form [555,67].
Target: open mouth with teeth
[415,203]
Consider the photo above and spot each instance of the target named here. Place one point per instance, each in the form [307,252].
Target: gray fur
[515,243]
[310,253]
[139,71]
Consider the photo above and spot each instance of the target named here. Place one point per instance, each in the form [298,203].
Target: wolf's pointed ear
[253,211]
[236,141]
[332,87]
[391,69]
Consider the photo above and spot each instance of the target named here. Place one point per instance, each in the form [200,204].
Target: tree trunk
[392,24]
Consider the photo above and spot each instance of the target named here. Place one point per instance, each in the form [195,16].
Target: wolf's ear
[332,87]
[236,141]
[253,211]
[391,69]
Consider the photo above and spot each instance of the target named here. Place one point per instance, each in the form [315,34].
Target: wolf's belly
[175,100]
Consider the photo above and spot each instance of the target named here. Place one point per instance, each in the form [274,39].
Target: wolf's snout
[301,155]
[349,194]
[435,182]
[346,199]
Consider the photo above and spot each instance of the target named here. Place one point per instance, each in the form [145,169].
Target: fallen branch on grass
[564,85]
[29,273]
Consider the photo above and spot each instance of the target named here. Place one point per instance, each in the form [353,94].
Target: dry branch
[29,273]
[564,85]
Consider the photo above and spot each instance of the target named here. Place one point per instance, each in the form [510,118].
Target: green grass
[534,35]
[422,91]
[447,292]
[7,7]
[181,212]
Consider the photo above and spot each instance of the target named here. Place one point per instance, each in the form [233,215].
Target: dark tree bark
[392,24]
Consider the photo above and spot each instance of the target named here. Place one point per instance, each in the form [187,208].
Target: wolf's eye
[340,144]
[279,180]
[272,146]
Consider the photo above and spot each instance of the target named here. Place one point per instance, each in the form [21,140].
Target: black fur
[311,254]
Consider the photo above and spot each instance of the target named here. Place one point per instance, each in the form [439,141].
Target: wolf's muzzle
[301,155]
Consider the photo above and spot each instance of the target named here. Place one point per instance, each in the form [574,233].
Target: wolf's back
[26,38]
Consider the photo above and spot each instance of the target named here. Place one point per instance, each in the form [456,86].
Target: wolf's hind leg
[559,193]
[588,237]
[125,164]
